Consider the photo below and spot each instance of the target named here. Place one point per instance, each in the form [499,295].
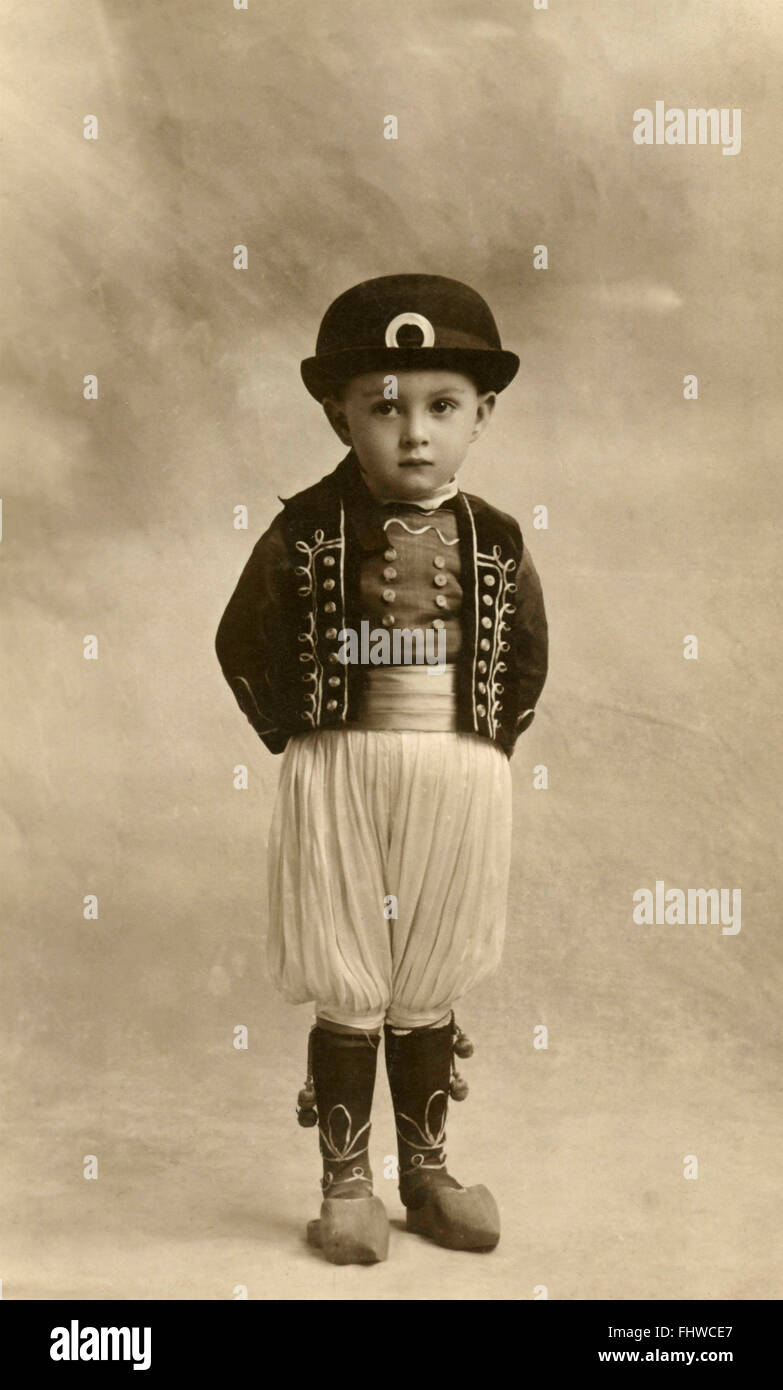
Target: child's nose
[414,429]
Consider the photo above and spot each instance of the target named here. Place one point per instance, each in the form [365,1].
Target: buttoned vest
[494,691]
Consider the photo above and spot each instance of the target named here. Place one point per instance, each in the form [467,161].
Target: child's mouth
[415,463]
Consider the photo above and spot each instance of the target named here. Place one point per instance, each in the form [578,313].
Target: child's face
[410,446]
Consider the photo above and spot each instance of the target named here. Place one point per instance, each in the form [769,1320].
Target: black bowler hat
[408,323]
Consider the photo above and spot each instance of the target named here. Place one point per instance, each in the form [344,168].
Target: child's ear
[335,414]
[484,409]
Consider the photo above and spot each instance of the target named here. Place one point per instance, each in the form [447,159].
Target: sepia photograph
[390,550]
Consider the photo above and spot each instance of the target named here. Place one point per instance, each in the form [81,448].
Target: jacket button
[484,644]
[488,599]
[482,666]
[331,634]
[390,572]
[388,620]
[331,704]
[441,601]
[440,580]
[328,583]
[388,596]
[333,658]
[486,622]
[481,709]
[438,622]
[330,608]
[334,680]
[439,562]
[390,554]
[329,560]
[489,579]
[481,687]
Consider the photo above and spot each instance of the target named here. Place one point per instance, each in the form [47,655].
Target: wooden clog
[351,1231]
[460,1218]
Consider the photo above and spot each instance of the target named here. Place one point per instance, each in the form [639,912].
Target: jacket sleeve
[529,639]
[250,639]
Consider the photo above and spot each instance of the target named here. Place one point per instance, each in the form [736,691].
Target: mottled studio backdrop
[264,127]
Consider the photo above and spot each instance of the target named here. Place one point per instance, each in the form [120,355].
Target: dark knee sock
[419,1066]
[343,1071]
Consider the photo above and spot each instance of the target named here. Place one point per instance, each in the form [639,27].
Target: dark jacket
[277,641]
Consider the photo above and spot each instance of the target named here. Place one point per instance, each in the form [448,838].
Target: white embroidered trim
[505,586]
[477,624]
[269,728]
[310,636]
[357,1175]
[348,1151]
[427,1141]
[419,530]
[342,595]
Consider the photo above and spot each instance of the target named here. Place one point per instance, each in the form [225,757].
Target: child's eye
[383,408]
[442,407]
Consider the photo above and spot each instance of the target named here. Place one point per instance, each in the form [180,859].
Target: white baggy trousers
[389,857]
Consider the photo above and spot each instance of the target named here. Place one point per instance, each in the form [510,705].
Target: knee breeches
[388,872]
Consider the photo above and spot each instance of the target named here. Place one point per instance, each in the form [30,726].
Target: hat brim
[491,369]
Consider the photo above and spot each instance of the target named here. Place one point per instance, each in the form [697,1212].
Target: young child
[391,831]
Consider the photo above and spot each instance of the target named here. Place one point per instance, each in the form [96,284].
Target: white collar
[442,494]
